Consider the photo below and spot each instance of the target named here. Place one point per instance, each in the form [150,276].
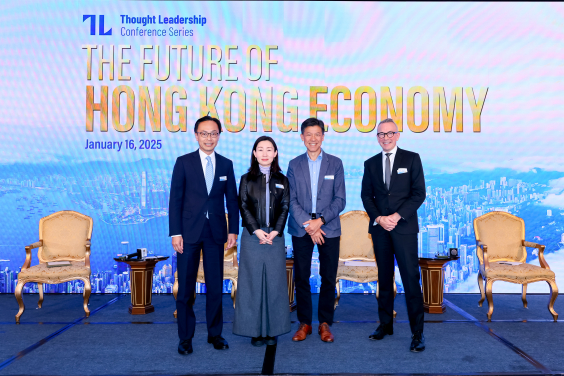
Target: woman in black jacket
[261,309]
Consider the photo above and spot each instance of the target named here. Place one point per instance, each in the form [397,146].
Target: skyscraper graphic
[435,234]
[144,209]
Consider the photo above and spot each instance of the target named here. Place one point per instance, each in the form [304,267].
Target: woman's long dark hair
[254,170]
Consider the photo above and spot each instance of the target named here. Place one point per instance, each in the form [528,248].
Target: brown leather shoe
[325,332]
[302,332]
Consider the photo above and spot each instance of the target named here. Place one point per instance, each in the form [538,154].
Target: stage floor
[58,340]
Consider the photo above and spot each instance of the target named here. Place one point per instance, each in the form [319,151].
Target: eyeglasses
[389,134]
[213,134]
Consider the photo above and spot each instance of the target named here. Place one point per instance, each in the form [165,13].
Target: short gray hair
[388,120]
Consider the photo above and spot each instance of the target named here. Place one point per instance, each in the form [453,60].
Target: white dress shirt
[204,161]
[392,157]
[203,157]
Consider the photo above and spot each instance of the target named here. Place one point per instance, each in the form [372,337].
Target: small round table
[141,284]
[433,279]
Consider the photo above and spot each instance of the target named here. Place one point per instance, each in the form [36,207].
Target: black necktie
[388,170]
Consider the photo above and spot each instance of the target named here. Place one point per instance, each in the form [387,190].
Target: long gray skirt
[261,306]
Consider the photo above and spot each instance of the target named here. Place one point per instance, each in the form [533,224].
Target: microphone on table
[139,255]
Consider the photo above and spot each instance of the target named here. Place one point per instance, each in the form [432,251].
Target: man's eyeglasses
[389,134]
[213,134]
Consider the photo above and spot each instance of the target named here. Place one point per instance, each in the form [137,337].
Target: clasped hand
[314,230]
[317,238]
[264,237]
[312,225]
[388,222]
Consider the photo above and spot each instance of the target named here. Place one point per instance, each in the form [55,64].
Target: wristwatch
[322,219]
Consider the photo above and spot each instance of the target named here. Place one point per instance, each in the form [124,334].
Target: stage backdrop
[98,99]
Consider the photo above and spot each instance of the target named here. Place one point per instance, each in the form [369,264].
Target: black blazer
[406,194]
[252,200]
[189,199]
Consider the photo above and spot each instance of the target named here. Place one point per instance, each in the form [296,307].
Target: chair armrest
[532,245]
[87,254]
[28,249]
[235,262]
[484,248]
[541,248]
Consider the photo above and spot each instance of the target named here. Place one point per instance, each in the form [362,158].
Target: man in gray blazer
[317,197]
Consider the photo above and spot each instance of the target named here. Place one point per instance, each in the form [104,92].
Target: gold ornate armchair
[356,245]
[64,236]
[230,271]
[500,240]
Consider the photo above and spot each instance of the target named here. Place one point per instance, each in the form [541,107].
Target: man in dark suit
[317,197]
[393,188]
[200,182]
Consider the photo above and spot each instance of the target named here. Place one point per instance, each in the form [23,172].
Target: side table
[291,284]
[433,278]
[141,284]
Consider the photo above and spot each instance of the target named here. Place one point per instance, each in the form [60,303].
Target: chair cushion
[54,275]
[229,271]
[357,273]
[521,273]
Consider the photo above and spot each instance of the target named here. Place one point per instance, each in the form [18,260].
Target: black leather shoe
[257,341]
[417,342]
[382,331]
[219,343]
[270,340]
[185,347]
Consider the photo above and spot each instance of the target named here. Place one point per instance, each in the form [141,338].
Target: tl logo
[93,24]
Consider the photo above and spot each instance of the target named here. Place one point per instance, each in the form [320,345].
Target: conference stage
[58,340]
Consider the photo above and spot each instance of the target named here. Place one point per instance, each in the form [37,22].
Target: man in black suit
[200,182]
[393,188]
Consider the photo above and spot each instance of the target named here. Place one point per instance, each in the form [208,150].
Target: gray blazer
[331,195]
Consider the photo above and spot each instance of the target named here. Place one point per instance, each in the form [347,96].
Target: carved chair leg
[489,284]
[524,295]
[395,293]
[481,285]
[175,291]
[378,290]
[553,296]
[86,295]
[40,288]
[233,291]
[19,298]
[338,286]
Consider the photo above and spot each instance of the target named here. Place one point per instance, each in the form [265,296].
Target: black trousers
[404,247]
[187,266]
[328,264]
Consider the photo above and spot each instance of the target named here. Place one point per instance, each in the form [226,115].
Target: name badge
[329,177]
[402,170]
[279,186]
[223,178]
